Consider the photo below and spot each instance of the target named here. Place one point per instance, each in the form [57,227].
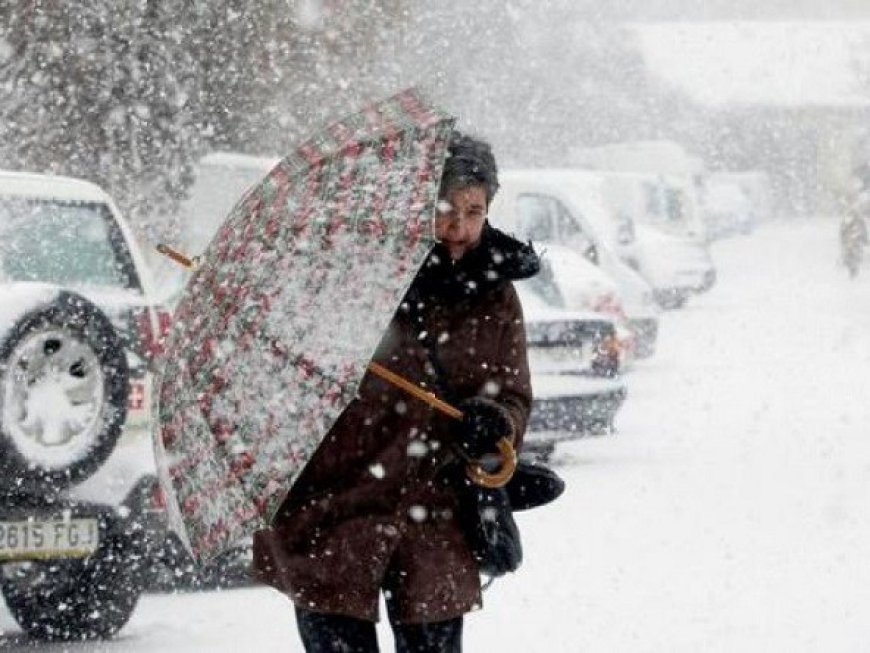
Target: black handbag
[487,519]
[490,530]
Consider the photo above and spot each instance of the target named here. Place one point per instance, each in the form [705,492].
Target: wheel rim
[53,398]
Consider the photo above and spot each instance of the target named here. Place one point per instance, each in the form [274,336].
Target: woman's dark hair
[469,163]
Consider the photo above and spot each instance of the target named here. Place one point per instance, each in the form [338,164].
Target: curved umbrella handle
[475,472]
[499,478]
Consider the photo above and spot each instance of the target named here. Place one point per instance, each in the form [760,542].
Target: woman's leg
[433,637]
[436,637]
[335,633]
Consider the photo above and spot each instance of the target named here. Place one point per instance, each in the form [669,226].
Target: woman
[374,510]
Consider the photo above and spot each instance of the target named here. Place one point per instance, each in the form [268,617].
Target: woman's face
[459,219]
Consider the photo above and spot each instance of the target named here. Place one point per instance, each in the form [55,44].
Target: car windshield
[68,243]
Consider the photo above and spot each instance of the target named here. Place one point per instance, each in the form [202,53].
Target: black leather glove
[484,423]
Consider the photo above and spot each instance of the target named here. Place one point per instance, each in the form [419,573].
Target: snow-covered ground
[729,514]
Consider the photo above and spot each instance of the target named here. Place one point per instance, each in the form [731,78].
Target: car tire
[67,352]
[73,599]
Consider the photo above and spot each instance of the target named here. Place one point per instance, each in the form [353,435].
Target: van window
[544,218]
[654,207]
[566,223]
[535,217]
[675,204]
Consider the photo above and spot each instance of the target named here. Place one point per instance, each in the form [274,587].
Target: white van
[531,207]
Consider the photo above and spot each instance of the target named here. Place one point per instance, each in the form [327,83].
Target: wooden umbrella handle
[414,390]
[475,472]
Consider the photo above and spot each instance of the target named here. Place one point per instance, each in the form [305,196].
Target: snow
[728,514]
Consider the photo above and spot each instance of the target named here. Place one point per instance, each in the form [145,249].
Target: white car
[676,267]
[573,362]
[79,332]
[726,207]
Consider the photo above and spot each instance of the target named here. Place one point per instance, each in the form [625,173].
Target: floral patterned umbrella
[277,325]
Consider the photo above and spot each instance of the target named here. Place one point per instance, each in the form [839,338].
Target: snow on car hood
[536,309]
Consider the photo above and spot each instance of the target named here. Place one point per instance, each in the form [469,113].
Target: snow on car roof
[31,184]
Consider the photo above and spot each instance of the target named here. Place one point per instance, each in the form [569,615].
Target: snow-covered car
[727,208]
[573,359]
[80,518]
[675,266]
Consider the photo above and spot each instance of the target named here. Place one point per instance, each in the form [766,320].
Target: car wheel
[73,599]
[63,394]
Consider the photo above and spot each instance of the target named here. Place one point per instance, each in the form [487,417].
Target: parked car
[573,357]
[727,208]
[676,267]
[81,519]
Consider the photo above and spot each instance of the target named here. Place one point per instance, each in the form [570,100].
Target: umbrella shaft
[415,390]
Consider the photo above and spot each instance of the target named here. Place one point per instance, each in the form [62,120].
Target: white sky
[765,62]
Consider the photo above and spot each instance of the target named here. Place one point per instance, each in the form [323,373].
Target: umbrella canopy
[277,325]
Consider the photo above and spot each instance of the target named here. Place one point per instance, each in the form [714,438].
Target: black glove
[484,423]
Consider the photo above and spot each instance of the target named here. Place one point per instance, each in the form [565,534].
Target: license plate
[61,538]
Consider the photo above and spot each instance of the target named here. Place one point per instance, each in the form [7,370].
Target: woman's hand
[484,423]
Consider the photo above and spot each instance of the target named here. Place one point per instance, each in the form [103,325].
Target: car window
[66,243]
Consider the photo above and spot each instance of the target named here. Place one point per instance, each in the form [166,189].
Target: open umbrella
[283,312]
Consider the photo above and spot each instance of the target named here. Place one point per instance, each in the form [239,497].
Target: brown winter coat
[372,510]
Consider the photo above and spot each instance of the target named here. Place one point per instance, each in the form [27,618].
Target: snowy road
[729,514]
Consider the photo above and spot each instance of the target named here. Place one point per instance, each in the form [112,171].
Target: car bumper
[589,410]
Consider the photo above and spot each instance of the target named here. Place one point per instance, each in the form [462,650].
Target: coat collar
[496,260]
